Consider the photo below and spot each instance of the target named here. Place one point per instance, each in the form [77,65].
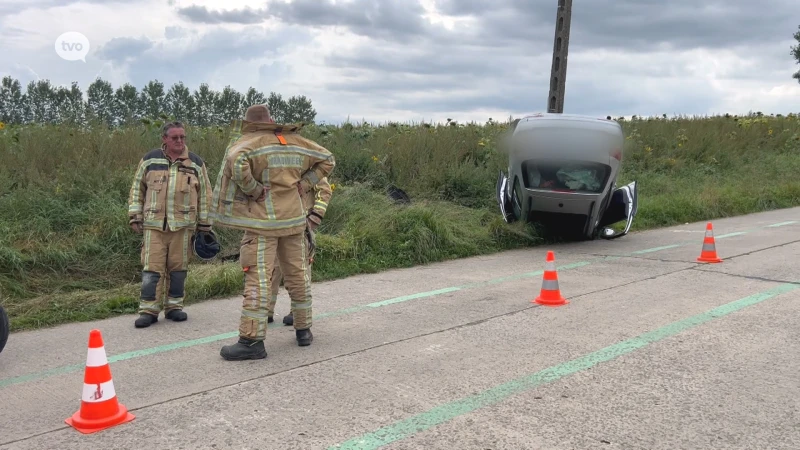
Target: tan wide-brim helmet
[258,114]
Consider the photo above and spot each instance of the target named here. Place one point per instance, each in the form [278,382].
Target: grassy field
[67,254]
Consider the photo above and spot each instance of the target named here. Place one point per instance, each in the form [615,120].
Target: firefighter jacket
[277,158]
[170,195]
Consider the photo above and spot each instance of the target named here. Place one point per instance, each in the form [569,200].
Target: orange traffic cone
[709,252]
[99,407]
[550,295]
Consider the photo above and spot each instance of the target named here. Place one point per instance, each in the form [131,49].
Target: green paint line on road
[730,235]
[775,225]
[219,337]
[444,413]
[406,298]
[657,249]
[173,346]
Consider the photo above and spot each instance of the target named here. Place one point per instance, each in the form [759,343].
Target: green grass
[67,254]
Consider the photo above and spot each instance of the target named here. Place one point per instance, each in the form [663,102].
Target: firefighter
[169,200]
[316,203]
[264,177]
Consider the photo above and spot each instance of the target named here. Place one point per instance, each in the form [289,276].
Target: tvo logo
[72,46]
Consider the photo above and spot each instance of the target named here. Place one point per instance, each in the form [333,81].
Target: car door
[623,206]
[504,199]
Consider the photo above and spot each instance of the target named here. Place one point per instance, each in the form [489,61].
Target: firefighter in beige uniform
[169,199]
[265,174]
[316,203]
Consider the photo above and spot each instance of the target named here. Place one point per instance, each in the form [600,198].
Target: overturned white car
[562,169]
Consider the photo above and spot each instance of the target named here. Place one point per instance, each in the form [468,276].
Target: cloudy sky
[429,60]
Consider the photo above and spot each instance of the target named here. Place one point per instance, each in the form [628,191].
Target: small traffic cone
[709,252]
[550,295]
[99,406]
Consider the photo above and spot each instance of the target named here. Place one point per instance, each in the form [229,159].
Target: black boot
[145,320]
[270,319]
[288,319]
[243,350]
[177,315]
[304,337]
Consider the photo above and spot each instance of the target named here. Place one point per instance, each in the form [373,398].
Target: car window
[565,175]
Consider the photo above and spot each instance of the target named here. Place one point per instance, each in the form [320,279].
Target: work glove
[137,227]
[263,195]
[313,221]
[311,242]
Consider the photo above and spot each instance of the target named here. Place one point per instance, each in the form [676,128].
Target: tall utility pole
[558,71]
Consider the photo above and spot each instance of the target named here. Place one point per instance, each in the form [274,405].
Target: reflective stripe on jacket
[174,194]
[273,156]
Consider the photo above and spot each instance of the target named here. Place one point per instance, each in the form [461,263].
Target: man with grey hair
[169,199]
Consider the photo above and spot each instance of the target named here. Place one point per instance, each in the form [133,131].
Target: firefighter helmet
[205,245]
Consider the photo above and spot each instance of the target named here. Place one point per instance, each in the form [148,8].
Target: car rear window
[566,176]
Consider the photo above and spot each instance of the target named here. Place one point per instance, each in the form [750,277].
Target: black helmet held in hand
[205,245]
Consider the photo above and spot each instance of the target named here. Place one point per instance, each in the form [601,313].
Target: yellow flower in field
[648,149]
[333,187]
[375,158]
[770,132]
[2,125]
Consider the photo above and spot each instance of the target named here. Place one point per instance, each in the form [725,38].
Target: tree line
[45,103]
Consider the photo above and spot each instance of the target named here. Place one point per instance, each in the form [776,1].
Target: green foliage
[66,252]
[43,103]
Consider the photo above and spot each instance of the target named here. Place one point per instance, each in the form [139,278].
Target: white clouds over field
[426,59]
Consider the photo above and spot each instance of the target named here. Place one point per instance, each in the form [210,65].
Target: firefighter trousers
[257,257]
[277,274]
[165,262]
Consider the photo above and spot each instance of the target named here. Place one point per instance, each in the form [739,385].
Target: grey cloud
[379,19]
[123,48]
[171,61]
[14,33]
[174,32]
[503,61]
[529,95]
[633,25]
[397,84]
[628,25]
[201,14]
[386,19]
[10,7]
[435,80]
[435,60]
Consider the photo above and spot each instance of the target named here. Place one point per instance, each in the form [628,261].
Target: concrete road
[654,351]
